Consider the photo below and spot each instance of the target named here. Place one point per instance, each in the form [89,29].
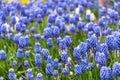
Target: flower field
[60,40]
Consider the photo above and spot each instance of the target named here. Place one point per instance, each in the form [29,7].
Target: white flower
[7,26]
[9,1]
[92,17]
[69,59]
[77,10]
[17,19]
[71,73]
[4,47]
[67,27]
[88,12]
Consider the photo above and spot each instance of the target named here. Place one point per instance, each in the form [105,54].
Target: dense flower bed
[60,40]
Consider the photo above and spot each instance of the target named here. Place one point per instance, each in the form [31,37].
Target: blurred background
[22,1]
[102,2]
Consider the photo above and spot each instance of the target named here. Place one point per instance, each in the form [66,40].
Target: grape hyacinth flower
[59,10]
[37,36]
[85,30]
[100,59]
[59,65]
[47,32]
[88,46]
[32,29]
[55,73]
[50,42]
[51,18]
[29,74]
[64,57]
[77,17]
[82,48]
[81,9]
[27,32]
[42,37]
[58,40]
[90,66]
[10,36]
[49,60]
[98,46]
[111,42]
[56,63]
[3,55]
[11,75]
[69,64]
[27,40]
[102,11]
[76,3]
[104,49]
[76,54]
[13,20]
[68,41]
[23,28]
[22,42]
[90,34]
[39,76]
[39,18]
[77,70]
[97,31]
[88,18]
[116,70]
[90,26]
[31,17]
[80,25]
[84,3]
[38,60]
[14,63]
[60,24]
[65,71]
[66,17]
[72,21]
[83,65]
[118,40]
[105,73]
[45,53]
[109,30]
[62,44]
[72,28]
[56,32]
[91,5]
[3,29]
[10,30]
[49,70]
[26,63]
[37,48]
[17,27]
[72,7]
[20,54]
[16,38]
[27,54]
[93,41]
[105,33]
[64,5]
[101,22]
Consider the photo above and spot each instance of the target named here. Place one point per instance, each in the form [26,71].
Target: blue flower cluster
[60,38]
